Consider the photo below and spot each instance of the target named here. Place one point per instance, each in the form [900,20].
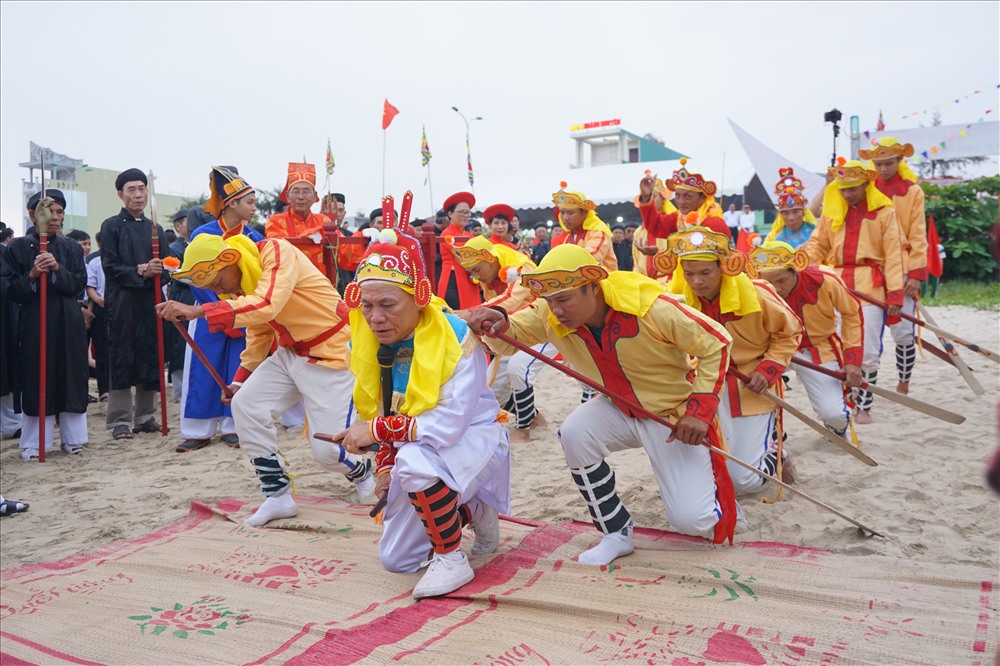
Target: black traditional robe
[8,333]
[67,371]
[127,242]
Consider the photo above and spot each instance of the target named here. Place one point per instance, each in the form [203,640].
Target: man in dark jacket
[129,268]
[66,377]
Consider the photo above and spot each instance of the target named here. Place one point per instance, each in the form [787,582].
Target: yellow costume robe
[644,359]
[865,252]
[763,341]
[596,243]
[908,200]
[293,303]
[817,299]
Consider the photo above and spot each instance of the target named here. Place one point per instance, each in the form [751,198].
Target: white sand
[927,494]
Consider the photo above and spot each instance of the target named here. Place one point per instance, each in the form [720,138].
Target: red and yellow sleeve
[526,326]
[893,267]
[598,244]
[705,339]
[274,288]
[852,329]
[916,233]
[784,330]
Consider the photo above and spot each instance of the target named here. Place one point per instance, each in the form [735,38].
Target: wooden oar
[956,359]
[905,400]
[839,441]
[662,421]
[929,324]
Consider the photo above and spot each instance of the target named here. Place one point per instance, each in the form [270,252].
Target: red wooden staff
[201,355]
[662,421]
[42,217]
[157,299]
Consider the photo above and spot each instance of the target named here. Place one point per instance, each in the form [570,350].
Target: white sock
[275,506]
[611,547]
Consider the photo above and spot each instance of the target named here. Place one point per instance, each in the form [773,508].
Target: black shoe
[149,426]
[91,399]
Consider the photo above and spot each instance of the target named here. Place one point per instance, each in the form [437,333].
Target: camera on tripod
[834,116]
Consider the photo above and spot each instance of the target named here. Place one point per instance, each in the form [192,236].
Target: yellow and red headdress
[736,293]
[208,254]
[299,172]
[395,258]
[789,190]
[567,267]
[698,243]
[775,256]
[572,199]
[886,147]
[683,179]
[224,185]
[850,173]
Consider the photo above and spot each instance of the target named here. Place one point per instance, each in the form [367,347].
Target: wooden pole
[157,299]
[662,421]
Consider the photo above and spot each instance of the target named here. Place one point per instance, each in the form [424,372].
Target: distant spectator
[732,218]
[541,246]
[748,220]
[622,247]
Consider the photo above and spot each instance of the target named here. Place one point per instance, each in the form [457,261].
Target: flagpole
[430,188]
[383,162]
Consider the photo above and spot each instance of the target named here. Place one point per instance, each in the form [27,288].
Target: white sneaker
[611,547]
[485,524]
[366,490]
[445,573]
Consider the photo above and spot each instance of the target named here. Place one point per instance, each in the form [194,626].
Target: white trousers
[683,473]
[517,372]
[283,379]
[874,325]
[749,439]
[294,415]
[825,393]
[72,430]
[10,421]
[199,428]
[902,331]
[405,545]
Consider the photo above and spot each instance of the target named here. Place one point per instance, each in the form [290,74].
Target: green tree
[963,214]
[187,204]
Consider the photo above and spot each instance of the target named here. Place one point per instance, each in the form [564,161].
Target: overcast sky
[177,87]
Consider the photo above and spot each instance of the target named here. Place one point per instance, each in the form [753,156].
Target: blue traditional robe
[204,397]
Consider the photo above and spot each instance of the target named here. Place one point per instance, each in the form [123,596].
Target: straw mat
[311,590]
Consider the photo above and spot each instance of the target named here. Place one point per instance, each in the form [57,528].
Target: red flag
[881,124]
[745,241]
[935,266]
[388,113]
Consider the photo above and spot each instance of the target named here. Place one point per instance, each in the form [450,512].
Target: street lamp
[468,150]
